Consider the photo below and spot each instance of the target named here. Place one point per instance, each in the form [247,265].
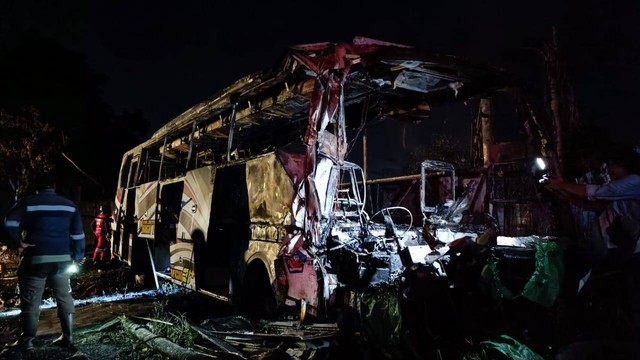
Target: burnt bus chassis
[291,118]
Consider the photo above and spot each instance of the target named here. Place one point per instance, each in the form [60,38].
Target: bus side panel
[126,226]
[182,264]
[219,258]
[169,207]
[193,223]
[146,196]
[142,224]
[270,192]
[116,239]
[295,270]
[196,204]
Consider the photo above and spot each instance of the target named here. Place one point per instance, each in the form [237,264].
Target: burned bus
[249,196]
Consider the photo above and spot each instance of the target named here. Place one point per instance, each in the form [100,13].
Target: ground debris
[270,339]
[162,344]
[223,345]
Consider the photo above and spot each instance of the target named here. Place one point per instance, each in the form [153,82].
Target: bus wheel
[258,300]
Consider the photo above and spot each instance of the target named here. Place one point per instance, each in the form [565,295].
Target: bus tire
[258,299]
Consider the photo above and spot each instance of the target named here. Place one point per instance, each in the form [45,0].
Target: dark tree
[38,73]
[440,147]
[27,146]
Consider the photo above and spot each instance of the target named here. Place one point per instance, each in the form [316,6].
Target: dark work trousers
[32,280]
[634,272]
[628,264]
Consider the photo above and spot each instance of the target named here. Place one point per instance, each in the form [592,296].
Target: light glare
[72,269]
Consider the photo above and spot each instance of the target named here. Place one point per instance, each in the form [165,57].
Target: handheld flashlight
[73,268]
[540,170]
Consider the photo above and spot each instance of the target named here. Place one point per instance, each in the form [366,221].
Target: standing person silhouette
[46,228]
[101,227]
[614,245]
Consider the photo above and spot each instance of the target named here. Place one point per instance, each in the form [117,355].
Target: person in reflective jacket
[44,228]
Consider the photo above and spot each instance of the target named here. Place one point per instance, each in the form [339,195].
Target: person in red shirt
[101,227]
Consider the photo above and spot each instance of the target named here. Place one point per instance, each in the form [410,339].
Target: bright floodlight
[72,269]
[541,164]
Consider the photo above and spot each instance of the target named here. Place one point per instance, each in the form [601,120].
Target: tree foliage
[441,147]
[27,146]
[62,92]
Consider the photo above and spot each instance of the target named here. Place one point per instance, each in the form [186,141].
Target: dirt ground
[114,313]
[106,294]
[119,318]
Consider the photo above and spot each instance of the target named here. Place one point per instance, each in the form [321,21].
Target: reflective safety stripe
[41,259]
[12,223]
[32,208]
[77,237]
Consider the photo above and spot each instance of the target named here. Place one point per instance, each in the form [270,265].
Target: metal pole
[164,148]
[232,124]
[153,265]
[193,130]
[364,154]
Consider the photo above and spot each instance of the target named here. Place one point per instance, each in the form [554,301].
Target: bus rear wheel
[258,299]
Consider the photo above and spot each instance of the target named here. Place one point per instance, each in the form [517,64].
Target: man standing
[44,227]
[619,200]
[101,227]
[614,245]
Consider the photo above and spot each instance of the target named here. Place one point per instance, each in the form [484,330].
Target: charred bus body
[248,196]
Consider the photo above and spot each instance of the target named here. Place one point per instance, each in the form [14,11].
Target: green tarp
[545,282]
[512,349]
[381,319]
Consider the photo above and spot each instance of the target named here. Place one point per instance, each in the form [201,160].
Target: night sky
[164,57]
